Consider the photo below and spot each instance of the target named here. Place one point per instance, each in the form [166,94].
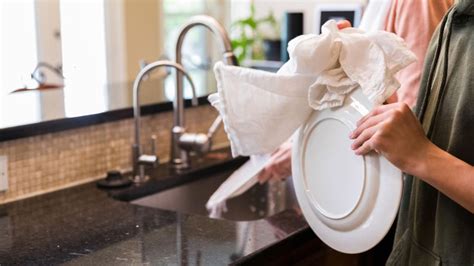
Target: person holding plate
[433,146]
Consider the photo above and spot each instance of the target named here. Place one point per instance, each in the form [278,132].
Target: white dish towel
[261,110]
[239,182]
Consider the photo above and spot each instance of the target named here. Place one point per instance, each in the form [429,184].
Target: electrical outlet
[3,173]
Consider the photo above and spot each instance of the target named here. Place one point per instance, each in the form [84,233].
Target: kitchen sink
[258,202]
[188,191]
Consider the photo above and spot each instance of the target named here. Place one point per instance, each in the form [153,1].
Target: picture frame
[324,12]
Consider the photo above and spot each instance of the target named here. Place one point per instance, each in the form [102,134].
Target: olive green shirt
[432,229]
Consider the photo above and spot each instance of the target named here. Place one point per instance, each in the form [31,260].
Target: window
[195,56]
[18,53]
[84,58]
[90,40]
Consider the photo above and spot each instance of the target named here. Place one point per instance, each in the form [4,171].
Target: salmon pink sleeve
[415,22]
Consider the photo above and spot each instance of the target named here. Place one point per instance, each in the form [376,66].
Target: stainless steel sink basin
[258,202]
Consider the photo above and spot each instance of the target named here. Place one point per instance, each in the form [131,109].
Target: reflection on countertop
[77,100]
[82,225]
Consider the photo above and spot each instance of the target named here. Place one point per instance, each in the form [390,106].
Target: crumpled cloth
[261,110]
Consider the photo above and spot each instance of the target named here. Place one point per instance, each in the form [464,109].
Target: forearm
[450,175]
[394,132]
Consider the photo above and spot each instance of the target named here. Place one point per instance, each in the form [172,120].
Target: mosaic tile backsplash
[49,162]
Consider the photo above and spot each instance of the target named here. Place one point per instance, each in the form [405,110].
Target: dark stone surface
[85,226]
[57,125]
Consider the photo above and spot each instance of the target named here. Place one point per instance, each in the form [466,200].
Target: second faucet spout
[139,159]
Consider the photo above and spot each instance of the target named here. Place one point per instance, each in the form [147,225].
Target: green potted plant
[256,38]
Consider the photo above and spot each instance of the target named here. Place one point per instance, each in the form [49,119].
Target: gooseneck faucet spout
[215,27]
[179,156]
[139,158]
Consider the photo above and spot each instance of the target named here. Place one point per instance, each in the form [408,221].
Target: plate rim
[390,178]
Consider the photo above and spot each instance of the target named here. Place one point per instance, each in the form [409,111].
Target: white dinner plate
[349,201]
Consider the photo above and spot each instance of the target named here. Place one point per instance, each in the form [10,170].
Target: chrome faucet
[183,142]
[140,159]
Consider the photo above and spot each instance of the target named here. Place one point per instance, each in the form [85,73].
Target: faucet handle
[196,142]
[146,159]
[153,144]
[152,158]
[214,127]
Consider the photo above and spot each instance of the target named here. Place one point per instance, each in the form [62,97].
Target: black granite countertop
[85,226]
